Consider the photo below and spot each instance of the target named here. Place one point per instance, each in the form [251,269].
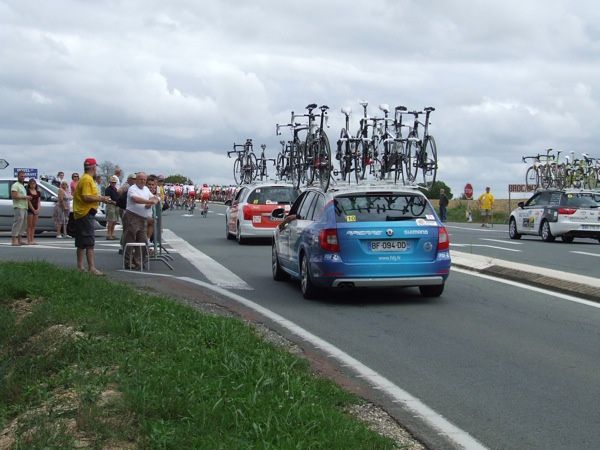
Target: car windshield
[273,195]
[580,200]
[381,207]
[49,186]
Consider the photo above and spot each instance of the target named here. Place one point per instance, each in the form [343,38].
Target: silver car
[49,197]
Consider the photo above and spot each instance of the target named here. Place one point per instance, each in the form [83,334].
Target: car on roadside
[361,236]
[248,214]
[552,213]
[49,197]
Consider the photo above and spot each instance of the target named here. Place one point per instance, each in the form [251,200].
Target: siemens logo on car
[364,233]
[416,232]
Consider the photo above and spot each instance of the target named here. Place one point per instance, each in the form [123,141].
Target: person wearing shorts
[486,203]
[85,206]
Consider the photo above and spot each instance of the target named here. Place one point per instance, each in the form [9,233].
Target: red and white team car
[248,215]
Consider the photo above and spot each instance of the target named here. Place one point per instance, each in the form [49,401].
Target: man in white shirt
[139,201]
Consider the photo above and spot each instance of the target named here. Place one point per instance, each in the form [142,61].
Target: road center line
[585,253]
[484,245]
[211,269]
[397,394]
[501,241]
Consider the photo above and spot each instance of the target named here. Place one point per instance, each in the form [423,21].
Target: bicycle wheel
[237,171]
[398,158]
[342,153]
[545,177]
[322,161]
[411,160]
[309,159]
[532,178]
[429,161]
[355,162]
[296,170]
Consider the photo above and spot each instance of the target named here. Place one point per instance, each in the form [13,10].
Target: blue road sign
[29,173]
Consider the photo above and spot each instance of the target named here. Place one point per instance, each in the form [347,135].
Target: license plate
[256,219]
[389,246]
[591,227]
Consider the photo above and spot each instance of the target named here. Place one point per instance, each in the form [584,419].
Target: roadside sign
[468,191]
[520,188]
[3,164]
[29,173]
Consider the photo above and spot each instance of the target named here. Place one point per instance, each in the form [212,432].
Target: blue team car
[361,236]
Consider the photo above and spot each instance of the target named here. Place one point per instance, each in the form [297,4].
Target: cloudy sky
[169,86]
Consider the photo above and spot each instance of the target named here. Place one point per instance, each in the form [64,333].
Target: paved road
[581,256]
[513,367]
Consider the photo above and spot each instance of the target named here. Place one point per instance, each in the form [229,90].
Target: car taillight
[247,209]
[443,240]
[328,240]
[567,211]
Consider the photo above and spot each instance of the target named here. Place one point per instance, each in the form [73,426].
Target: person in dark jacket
[112,210]
[443,205]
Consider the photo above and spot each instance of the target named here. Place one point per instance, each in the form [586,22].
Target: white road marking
[53,247]
[397,394]
[484,245]
[220,214]
[211,269]
[485,230]
[501,241]
[547,292]
[586,253]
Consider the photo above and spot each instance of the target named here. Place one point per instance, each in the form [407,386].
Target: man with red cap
[86,200]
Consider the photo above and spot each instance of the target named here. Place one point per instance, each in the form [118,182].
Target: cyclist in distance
[204,197]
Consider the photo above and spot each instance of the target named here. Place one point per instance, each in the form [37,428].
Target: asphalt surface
[582,256]
[515,368]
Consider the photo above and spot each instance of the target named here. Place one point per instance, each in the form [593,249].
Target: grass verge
[85,362]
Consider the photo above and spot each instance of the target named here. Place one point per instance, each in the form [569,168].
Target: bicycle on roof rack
[261,165]
[421,154]
[245,167]
[295,147]
[317,152]
[282,164]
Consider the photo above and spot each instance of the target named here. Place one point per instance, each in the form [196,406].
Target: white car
[249,213]
[568,213]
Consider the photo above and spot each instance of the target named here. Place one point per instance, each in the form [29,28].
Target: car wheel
[512,229]
[567,239]
[432,290]
[238,235]
[546,233]
[309,290]
[278,273]
[227,233]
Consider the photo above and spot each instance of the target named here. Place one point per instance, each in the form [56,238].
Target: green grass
[458,214]
[183,379]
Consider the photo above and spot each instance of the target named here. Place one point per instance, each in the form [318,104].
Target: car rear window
[381,207]
[580,200]
[273,195]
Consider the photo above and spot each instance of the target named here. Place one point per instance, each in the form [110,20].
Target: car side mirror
[521,204]
[227,202]
[278,214]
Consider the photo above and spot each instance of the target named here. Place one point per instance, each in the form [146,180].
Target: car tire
[238,235]
[308,288]
[512,229]
[278,273]
[546,233]
[567,239]
[432,290]
[228,235]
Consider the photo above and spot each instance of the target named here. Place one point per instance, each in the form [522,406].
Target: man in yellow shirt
[85,206]
[486,204]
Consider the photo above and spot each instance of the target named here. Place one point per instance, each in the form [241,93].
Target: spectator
[33,210]
[20,201]
[443,204]
[85,206]
[139,201]
[486,204]
[118,173]
[60,176]
[74,181]
[112,210]
[153,188]
[62,210]
[122,204]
